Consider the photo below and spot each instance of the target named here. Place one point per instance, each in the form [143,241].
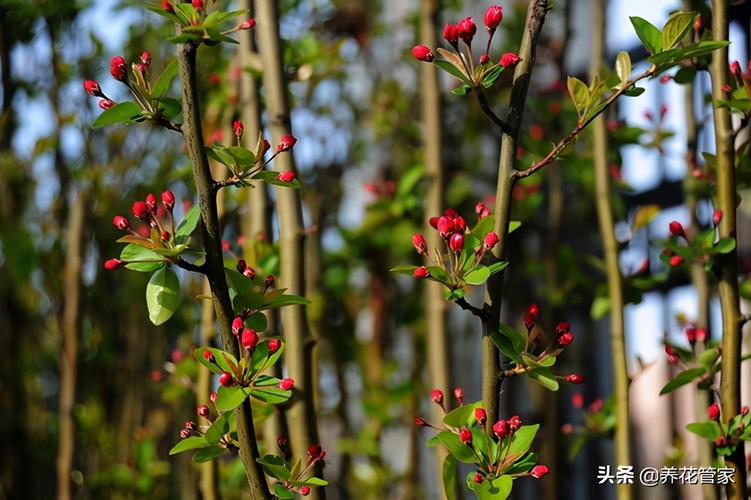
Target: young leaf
[497,488]
[623,66]
[208,453]
[275,467]
[648,33]
[140,258]
[523,439]
[189,222]
[681,379]
[725,245]
[123,112]
[449,476]
[164,80]
[189,443]
[162,295]
[410,270]
[452,65]
[219,428]
[579,94]
[477,276]
[461,416]
[283,493]
[456,448]
[544,377]
[707,430]
[676,28]
[229,398]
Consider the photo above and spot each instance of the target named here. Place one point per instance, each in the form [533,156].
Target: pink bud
[286,176]
[268,281]
[208,356]
[287,384]
[238,127]
[274,345]
[735,68]
[501,429]
[515,422]
[676,229]
[105,104]
[249,339]
[421,272]
[509,60]
[286,143]
[720,441]
[445,226]
[203,411]
[418,241]
[574,378]
[466,29]
[168,199]
[167,5]
[146,58]
[93,88]
[121,223]
[247,24]
[459,395]
[421,422]
[665,79]
[493,17]
[266,146]
[701,334]
[151,202]
[422,53]
[140,210]
[577,400]
[481,416]
[237,325]
[465,436]
[118,69]
[226,379]
[212,396]
[437,396]
[198,4]
[305,491]
[451,34]
[691,335]
[112,264]
[717,217]
[484,59]
[456,243]
[565,339]
[477,478]
[491,239]
[538,471]
[676,260]
[713,411]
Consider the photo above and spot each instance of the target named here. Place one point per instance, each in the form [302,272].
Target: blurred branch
[483,100]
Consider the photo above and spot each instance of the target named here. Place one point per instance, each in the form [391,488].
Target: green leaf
[219,428]
[676,28]
[157,9]
[123,112]
[497,488]
[623,66]
[271,393]
[162,295]
[461,416]
[492,76]
[452,70]
[170,108]
[681,379]
[600,307]
[708,358]
[523,464]
[579,94]
[544,377]
[514,225]
[283,493]
[725,245]
[229,398]
[189,443]
[270,177]
[258,322]
[242,156]
[685,74]
[650,36]
[219,16]
[523,438]
[410,270]
[497,267]
[483,227]
[133,254]
[456,448]
[448,473]
[285,300]
[275,466]
[259,357]
[163,82]
[477,276]
[314,481]
[707,430]
[208,453]
[189,222]
[461,90]
[519,341]
[438,273]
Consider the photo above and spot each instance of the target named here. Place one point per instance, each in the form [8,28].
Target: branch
[164,122]
[480,312]
[483,100]
[553,155]
[189,266]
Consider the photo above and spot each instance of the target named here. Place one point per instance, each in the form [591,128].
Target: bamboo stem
[214,266]
[730,381]
[603,195]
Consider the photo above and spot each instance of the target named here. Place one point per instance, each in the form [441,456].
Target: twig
[480,312]
[483,100]
[189,266]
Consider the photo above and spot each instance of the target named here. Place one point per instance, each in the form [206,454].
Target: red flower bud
[484,59]
[565,339]
[168,199]
[105,104]
[735,68]
[226,379]
[437,396]
[445,226]
[744,411]
[456,243]
[465,436]
[93,88]
[418,241]
[451,34]
[249,273]
[421,272]
[477,478]
[269,281]
[121,223]
[574,378]
[315,452]
[691,335]
[189,425]
[286,176]
[146,58]
[676,229]
[676,260]
[717,217]
[212,396]
[140,210]
[203,411]
[249,339]
[577,400]
[491,239]
[451,213]
[287,384]
[421,422]
[282,443]
[167,5]
[433,222]
[247,24]
[422,53]
[493,17]
[237,325]
[665,79]
[726,88]
[286,143]
[459,224]
[238,127]
[515,422]
[459,395]
[118,69]
[509,60]
[274,345]
[501,429]
[184,433]
[208,356]
[713,411]
[305,491]
[151,202]
[701,334]
[198,4]
[466,29]
[266,146]
[698,24]
[481,416]
[112,264]
[538,471]
[562,327]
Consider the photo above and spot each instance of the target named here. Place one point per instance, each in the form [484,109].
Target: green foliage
[162,295]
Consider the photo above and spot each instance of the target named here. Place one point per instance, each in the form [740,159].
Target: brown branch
[480,312]
[189,266]
[483,100]
[556,151]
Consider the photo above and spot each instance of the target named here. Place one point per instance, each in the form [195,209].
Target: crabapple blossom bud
[249,339]
[479,207]
[493,17]
[445,226]
[418,241]
[465,436]
[676,229]
[315,452]
[720,441]
[151,202]
[184,433]
[665,79]
[266,146]
[422,53]
[140,210]
[509,60]
[491,239]
[121,223]
[105,104]
[451,34]
[484,59]
[744,411]
[451,213]
[574,378]
[212,396]
[241,265]
[691,335]
[699,23]
[421,422]
[167,5]
[565,339]
[282,443]
[198,4]
[672,355]
[237,325]
[459,224]
[515,422]
[501,429]
[531,316]
[701,334]
[118,69]
[567,429]
[208,356]
[477,478]
[433,221]
[189,425]
[269,281]
[456,243]
[717,217]
[112,264]
[481,416]
[286,143]
[676,260]
[286,176]
[735,68]
[249,273]
[274,345]
[168,200]
[713,411]
[562,327]
[437,396]
[305,491]
[93,88]
[466,29]
[287,384]
[146,58]
[421,272]
[459,395]
[203,411]
[247,24]
[577,400]
[538,471]
[226,379]
[726,88]
[238,128]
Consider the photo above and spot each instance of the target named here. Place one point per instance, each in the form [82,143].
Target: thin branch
[483,100]
[164,122]
[480,312]
[556,151]
[189,266]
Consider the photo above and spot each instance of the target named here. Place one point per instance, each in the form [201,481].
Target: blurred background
[76,345]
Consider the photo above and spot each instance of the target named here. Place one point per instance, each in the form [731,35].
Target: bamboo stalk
[214,265]
[536,12]
[730,373]
[603,195]
[299,355]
